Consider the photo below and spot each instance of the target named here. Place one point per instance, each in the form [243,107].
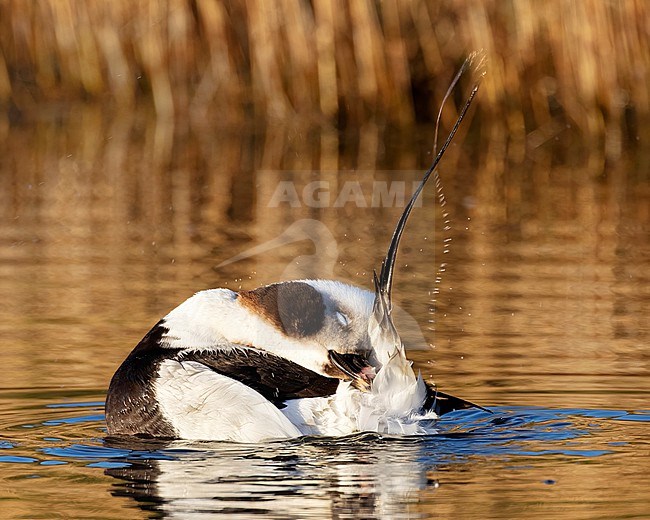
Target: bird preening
[298,357]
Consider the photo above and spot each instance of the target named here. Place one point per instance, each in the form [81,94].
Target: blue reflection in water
[75,420]
[510,431]
[17,459]
[315,474]
[93,404]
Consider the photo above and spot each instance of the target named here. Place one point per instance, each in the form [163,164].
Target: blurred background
[142,143]
[217,62]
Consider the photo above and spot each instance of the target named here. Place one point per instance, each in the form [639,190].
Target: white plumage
[202,404]
[393,404]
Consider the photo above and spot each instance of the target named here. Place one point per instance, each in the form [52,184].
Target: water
[541,314]
[528,462]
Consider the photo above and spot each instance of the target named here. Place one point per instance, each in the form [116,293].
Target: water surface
[541,313]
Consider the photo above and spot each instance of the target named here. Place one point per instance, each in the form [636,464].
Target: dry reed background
[217,60]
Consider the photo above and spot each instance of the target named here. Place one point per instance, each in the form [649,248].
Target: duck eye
[342,319]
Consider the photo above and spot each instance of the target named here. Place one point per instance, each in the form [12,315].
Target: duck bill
[354,367]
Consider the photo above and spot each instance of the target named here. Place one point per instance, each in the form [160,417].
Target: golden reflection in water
[108,222]
[43,497]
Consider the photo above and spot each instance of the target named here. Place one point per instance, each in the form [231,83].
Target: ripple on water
[510,430]
[389,472]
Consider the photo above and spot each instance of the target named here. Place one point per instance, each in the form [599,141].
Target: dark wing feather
[129,407]
[276,378]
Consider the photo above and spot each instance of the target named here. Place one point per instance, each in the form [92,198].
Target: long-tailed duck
[304,357]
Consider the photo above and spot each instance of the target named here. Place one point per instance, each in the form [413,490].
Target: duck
[304,357]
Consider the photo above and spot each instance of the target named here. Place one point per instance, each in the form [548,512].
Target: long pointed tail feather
[442,403]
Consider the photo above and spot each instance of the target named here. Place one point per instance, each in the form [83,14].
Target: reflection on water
[362,475]
[107,222]
[366,475]
[527,461]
